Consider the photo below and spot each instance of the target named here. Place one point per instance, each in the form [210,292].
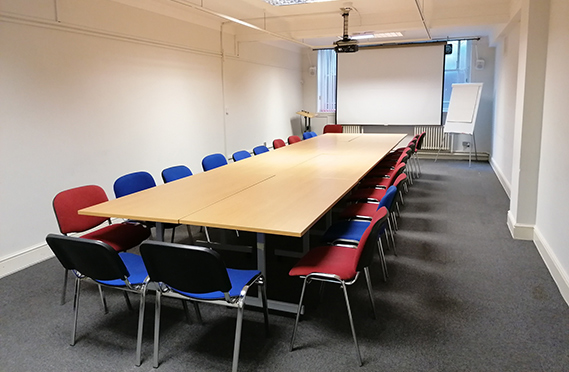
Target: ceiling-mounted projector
[346,45]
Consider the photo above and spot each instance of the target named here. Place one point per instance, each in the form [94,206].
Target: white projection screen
[395,85]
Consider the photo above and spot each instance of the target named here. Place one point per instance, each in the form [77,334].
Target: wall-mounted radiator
[434,137]
[352,129]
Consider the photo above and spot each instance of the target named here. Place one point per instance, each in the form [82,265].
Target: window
[457,68]
[326,80]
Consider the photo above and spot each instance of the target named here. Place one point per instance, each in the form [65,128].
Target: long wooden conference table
[281,192]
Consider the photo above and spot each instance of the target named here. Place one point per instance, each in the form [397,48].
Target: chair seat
[375,182]
[330,259]
[387,172]
[120,236]
[359,210]
[349,230]
[135,267]
[238,278]
[368,193]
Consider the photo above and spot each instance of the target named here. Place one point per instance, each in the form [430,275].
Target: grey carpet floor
[462,296]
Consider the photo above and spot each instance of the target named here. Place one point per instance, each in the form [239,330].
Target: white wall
[507,52]
[548,230]
[101,89]
[551,233]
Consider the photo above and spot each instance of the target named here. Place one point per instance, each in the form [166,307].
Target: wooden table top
[284,191]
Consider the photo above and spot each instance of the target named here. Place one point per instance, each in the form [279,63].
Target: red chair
[341,265]
[293,139]
[278,143]
[333,128]
[120,236]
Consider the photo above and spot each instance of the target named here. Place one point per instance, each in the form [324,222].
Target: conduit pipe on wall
[238,21]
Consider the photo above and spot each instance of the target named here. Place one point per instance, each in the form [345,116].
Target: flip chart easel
[462,112]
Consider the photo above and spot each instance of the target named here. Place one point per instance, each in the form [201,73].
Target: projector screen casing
[391,85]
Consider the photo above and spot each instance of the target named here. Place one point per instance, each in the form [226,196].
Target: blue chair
[349,231]
[135,182]
[198,274]
[175,173]
[240,155]
[99,262]
[213,161]
[260,149]
[307,135]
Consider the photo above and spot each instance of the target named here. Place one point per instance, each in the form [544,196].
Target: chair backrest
[333,128]
[307,135]
[175,173]
[133,182]
[260,149]
[240,155]
[278,143]
[185,268]
[399,169]
[68,202]
[420,141]
[92,258]
[293,139]
[368,241]
[213,161]
[388,198]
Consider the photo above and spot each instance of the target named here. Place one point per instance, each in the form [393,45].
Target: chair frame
[238,302]
[363,263]
[119,268]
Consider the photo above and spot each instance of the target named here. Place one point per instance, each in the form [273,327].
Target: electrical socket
[465,144]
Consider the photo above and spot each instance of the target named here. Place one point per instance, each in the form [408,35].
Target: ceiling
[320,24]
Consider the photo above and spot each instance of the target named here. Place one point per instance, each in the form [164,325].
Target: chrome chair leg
[127,300]
[75,309]
[358,354]
[265,306]
[298,314]
[237,342]
[157,308]
[65,275]
[186,311]
[370,291]
[198,313]
[382,259]
[140,328]
[103,299]
[206,234]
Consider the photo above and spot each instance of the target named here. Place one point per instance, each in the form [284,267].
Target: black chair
[120,236]
[198,274]
[99,262]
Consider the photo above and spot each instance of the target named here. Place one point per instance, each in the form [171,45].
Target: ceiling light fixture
[374,35]
[293,2]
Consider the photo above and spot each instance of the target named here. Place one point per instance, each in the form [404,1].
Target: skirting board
[23,259]
[519,231]
[32,255]
[503,180]
[560,276]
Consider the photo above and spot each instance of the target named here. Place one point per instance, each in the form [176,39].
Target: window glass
[457,68]
[326,80]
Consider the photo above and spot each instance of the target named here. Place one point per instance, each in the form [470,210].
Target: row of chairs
[278,143]
[369,218]
[189,273]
